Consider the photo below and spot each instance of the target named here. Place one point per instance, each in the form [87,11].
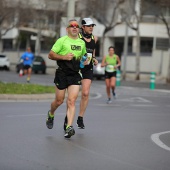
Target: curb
[38,97]
[27,96]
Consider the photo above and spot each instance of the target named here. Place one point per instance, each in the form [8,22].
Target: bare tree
[133,18]
[106,12]
[164,15]
[7,20]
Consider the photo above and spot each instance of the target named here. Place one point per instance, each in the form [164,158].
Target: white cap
[87,21]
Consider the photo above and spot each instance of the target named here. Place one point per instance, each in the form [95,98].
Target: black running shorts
[109,75]
[64,79]
[87,73]
[26,67]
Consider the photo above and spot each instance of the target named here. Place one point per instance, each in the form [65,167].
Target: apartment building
[154,40]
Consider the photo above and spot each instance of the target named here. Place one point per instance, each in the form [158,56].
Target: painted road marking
[156,140]
[135,99]
[143,105]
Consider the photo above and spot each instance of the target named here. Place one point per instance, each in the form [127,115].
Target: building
[154,40]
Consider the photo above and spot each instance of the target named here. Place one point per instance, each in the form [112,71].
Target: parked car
[39,65]
[98,71]
[4,62]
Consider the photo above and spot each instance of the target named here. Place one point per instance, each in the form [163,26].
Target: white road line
[143,105]
[135,99]
[98,95]
[155,139]
[111,104]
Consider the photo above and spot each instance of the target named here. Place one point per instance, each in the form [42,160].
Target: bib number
[89,57]
[110,68]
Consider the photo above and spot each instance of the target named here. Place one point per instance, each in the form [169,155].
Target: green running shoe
[49,121]
[69,132]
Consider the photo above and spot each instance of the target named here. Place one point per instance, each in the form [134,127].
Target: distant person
[67,51]
[111,62]
[90,40]
[28,59]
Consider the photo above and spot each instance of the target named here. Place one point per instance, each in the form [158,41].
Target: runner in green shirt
[111,62]
[67,51]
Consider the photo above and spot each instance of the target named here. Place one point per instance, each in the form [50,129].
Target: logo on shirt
[77,48]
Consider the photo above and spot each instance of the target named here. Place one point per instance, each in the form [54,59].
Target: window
[146,45]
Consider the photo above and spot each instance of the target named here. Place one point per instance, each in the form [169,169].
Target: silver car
[98,71]
[4,62]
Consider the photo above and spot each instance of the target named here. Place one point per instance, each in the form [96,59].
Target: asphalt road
[131,133]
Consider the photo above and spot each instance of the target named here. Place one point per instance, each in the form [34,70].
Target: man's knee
[71,102]
[58,102]
[85,94]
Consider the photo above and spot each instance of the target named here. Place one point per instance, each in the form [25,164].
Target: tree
[7,20]
[163,13]
[133,18]
[100,10]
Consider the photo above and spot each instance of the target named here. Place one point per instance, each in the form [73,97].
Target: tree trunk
[138,55]
[168,76]
[102,45]
[1,42]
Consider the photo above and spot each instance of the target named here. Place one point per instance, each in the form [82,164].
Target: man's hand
[69,56]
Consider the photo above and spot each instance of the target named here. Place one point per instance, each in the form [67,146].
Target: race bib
[110,68]
[89,57]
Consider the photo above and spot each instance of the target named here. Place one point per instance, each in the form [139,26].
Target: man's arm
[53,56]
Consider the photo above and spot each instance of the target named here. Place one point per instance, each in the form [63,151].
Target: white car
[4,62]
[98,71]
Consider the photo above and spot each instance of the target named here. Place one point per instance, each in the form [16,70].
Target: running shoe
[49,121]
[114,95]
[80,123]
[28,79]
[65,123]
[109,101]
[69,132]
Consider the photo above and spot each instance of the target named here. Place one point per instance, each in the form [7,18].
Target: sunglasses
[73,25]
[92,25]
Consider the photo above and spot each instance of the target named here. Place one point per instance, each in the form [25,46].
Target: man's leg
[25,71]
[29,74]
[86,83]
[73,92]
[59,98]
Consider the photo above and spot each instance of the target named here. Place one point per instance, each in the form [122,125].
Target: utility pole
[70,15]
[71,9]
[125,49]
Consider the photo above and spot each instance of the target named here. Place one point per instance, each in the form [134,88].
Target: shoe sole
[70,133]
[49,126]
[80,127]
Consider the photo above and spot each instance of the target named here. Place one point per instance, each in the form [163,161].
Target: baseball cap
[87,21]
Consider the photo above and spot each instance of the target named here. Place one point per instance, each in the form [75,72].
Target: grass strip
[15,88]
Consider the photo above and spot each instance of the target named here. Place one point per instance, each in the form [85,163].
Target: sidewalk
[144,84]
[48,96]
[51,96]
[10,76]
